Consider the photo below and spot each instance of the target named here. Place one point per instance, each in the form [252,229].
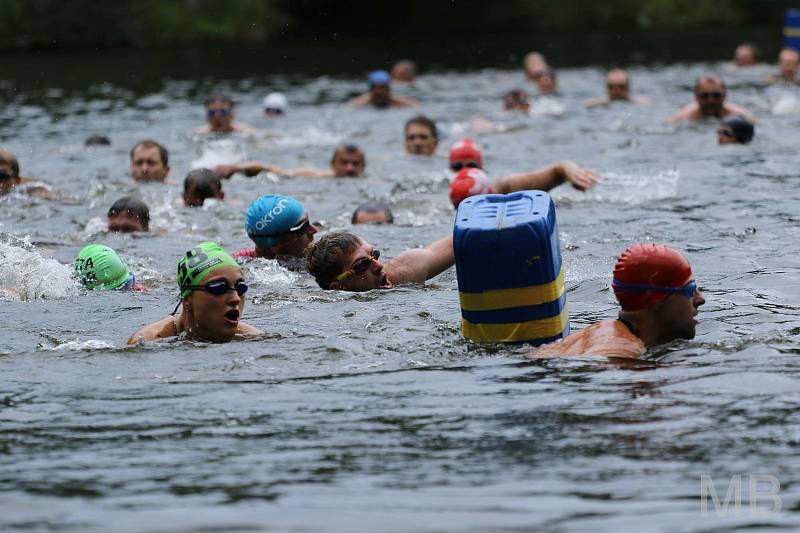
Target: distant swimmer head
[200,184]
[199,262]
[646,274]
[469,182]
[272,217]
[128,214]
[516,100]
[9,171]
[275,105]
[348,161]
[372,213]
[735,130]
[465,154]
[97,140]
[404,71]
[99,267]
[380,92]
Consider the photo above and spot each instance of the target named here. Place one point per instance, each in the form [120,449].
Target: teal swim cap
[200,261]
[271,216]
[99,267]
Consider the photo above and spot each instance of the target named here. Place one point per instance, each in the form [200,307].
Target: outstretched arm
[251,168]
[421,264]
[360,100]
[548,177]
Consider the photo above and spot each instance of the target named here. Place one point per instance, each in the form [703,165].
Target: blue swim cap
[271,216]
[379,77]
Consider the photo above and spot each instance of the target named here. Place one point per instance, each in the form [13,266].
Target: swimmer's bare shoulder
[167,327]
[609,338]
[157,330]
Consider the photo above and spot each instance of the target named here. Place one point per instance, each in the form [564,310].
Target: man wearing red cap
[659,298]
[466,159]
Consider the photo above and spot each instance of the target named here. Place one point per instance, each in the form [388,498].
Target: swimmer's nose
[312,229]
[698,299]
[233,298]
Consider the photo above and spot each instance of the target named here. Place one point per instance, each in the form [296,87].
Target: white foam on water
[617,187]
[220,152]
[786,104]
[270,274]
[311,136]
[26,275]
[79,345]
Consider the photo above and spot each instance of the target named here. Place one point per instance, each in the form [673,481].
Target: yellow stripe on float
[518,297]
[791,31]
[518,331]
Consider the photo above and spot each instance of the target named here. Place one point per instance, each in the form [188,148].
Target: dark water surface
[365,412]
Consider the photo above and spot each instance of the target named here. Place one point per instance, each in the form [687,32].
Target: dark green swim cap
[99,267]
[199,261]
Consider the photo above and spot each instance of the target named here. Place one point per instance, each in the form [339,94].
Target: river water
[365,412]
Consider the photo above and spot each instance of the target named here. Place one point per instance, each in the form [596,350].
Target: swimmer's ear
[221,195]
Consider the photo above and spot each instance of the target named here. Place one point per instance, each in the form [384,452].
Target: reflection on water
[362,410]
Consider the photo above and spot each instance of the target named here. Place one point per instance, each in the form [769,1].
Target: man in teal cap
[99,268]
[279,226]
[212,290]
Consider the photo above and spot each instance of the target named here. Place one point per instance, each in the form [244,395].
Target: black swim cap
[742,128]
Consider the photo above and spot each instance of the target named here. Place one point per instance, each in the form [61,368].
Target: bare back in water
[609,338]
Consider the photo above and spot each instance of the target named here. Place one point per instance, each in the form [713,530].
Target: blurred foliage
[26,24]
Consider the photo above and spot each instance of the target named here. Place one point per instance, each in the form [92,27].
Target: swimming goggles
[128,284]
[5,175]
[458,165]
[219,287]
[360,266]
[218,113]
[687,290]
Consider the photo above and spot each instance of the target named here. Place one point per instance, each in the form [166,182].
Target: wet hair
[349,148]
[7,158]
[422,120]
[710,78]
[223,98]
[323,257]
[514,98]
[373,207]
[133,207]
[742,128]
[205,183]
[150,143]
[97,140]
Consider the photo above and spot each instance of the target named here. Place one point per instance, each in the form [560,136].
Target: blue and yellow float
[508,264]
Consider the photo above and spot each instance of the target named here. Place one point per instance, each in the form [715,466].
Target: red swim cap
[654,265]
[465,150]
[469,182]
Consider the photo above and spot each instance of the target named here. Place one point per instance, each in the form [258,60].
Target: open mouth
[232,316]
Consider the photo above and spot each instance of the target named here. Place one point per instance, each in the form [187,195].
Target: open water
[367,412]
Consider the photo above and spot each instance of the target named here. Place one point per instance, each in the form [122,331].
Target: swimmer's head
[199,184]
[372,213]
[469,182]
[99,267]
[545,80]
[380,90]
[212,289]
[789,63]
[128,215]
[97,140]
[656,282]
[149,161]
[465,154]
[348,161]
[279,225]
[345,262]
[735,130]
[9,171]
[746,55]
[404,71]
[422,138]
[618,85]
[533,62]
[275,105]
[710,92]
[219,113]
[516,100]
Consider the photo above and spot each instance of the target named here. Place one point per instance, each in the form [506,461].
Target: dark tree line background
[141,24]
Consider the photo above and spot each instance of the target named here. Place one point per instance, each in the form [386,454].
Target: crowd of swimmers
[653,284]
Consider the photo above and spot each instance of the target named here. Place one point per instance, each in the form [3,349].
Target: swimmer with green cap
[212,290]
[99,268]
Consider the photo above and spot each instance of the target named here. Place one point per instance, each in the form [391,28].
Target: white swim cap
[276,101]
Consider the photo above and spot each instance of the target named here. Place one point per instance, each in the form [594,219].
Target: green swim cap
[199,261]
[99,267]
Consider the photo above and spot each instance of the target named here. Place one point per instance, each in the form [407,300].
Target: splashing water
[26,275]
[631,189]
